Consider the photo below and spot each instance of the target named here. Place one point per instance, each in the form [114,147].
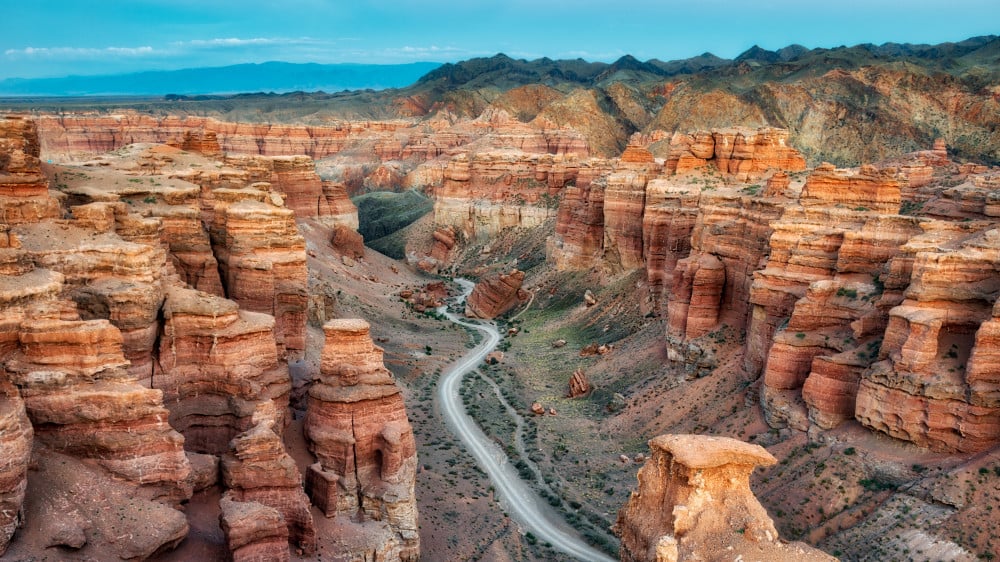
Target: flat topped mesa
[703,451]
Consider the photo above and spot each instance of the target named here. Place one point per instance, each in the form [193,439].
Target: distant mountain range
[278,77]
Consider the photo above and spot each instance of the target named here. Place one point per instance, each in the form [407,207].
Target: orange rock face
[745,154]
[694,503]
[485,192]
[258,469]
[24,191]
[217,365]
[263,262]
[357,427]
[869,188]
[253,530]
[493,296]
[931,383]
[15,453]
[82,401]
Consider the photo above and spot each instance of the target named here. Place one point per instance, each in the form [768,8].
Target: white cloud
[240,42]
[79,52]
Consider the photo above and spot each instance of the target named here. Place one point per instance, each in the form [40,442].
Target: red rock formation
[579,239]
[921,390]
[24,191]
[579,385]
[667,223]
[742,153]
[869,188]
[697,295]
[338,208]
[71,134]
[217,364]
[444,241]
[488,191]
[254,532]
[82,402]
[107,277]
[263,262]
[15,453]
[494,295]
[258,469]
[348,242]
[694,503]
[356,426]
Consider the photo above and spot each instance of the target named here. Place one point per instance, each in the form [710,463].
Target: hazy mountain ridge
[263,77]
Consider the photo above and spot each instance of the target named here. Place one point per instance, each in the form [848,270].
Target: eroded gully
[525,506]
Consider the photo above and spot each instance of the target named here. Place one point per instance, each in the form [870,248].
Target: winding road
[523,504]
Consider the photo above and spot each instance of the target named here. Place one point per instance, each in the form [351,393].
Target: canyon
[197,348]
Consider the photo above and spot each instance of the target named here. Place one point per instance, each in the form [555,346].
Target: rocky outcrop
[348,242]
[930,383]
[357,428]
[258,469]
[15,454]
[24,190]
[217,365]
[485,192]
[496,294]
[694,503]
[263,262]
[868,189]
[745,154]
[579,385]
[253,531]
[82,402]
[74,134]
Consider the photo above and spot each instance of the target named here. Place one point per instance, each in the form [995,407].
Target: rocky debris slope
[694,503]
[357,427]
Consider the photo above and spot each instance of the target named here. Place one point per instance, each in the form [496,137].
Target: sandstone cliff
[357,427]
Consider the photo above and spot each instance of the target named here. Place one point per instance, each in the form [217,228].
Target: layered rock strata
[496,294]
[15,454]
[82,401]
[745,154]
[357,428]
[254,532]
[263,261]
[694,502]
[258,469]
[24,190]
[217,365]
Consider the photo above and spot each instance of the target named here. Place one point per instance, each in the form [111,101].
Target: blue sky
[60,37]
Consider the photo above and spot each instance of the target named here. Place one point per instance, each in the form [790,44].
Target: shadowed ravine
[523,504]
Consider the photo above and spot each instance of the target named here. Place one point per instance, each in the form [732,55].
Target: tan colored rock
[537,408]
[258,469]
[694,503]
[579,385]
[263,263]
[494,295]
[24,191]
[217,364]
[253,531]
[15,454]
[356,425]
[868,188]
[82,402]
